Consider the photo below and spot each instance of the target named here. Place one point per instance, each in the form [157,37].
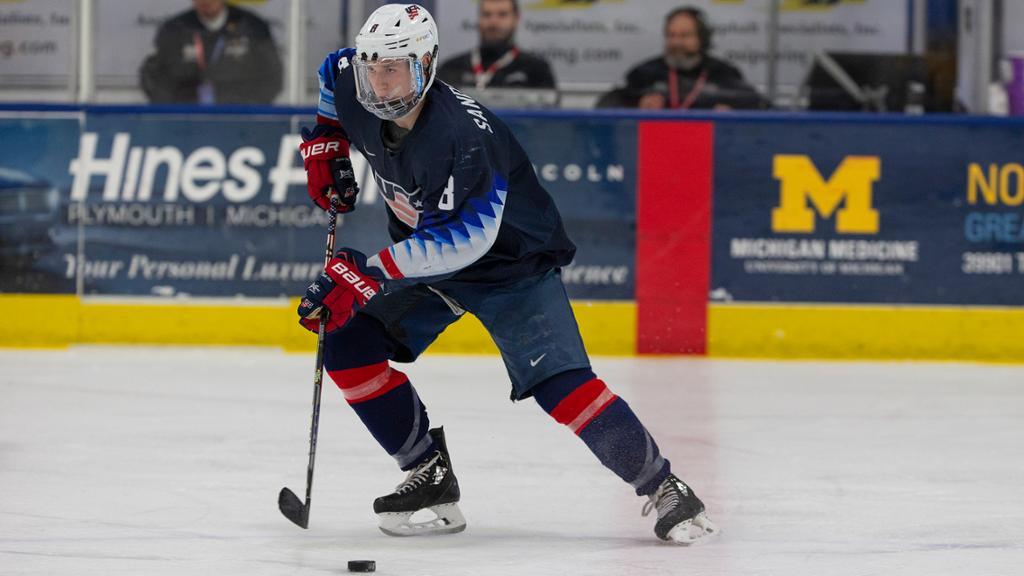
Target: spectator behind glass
[213,54]
[686,76]
[497,62]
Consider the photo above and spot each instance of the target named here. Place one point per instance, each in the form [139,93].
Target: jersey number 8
[448,196]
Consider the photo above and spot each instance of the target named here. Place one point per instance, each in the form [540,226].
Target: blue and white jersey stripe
[446,243]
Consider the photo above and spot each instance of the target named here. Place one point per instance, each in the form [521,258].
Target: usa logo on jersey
[404,205]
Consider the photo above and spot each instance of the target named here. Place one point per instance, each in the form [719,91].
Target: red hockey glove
[345,286]
[329,171]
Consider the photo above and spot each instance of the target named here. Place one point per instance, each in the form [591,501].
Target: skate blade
[449,520]
[694,532]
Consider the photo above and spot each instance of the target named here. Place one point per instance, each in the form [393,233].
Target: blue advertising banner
[211,206]
[140,204]
[908,213]
[590,170]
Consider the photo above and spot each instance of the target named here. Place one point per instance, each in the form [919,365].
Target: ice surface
[168,461]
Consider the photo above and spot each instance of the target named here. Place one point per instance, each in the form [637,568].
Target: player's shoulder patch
[334,63]
[345,56]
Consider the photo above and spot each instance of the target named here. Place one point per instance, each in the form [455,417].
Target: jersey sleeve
[328,74]
[459,224]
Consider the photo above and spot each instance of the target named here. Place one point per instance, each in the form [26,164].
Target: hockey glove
[345,286]
[329,171]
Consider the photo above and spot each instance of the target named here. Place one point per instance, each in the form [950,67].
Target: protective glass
[389,87]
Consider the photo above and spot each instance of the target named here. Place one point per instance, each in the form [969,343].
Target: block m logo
[801,187]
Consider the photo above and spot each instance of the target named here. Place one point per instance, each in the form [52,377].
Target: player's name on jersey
[234,267]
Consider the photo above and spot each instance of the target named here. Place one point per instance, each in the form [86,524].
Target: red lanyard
[691,97]
[218,50]
[483,78]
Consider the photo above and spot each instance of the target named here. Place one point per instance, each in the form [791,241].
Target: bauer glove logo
[354,280]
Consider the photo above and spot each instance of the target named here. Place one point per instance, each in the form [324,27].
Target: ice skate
[681,515]
[432,488]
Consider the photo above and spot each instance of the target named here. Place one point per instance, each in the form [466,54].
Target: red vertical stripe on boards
[673,236]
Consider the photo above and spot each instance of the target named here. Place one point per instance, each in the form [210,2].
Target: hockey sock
[607,425]
[381,396]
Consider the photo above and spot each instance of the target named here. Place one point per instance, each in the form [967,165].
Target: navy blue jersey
[464,203]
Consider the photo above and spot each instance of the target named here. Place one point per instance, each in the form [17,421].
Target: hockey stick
[289,504]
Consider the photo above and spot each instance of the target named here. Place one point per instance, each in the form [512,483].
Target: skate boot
[681,515]
[431,486]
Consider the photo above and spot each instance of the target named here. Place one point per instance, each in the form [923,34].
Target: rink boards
[730,235]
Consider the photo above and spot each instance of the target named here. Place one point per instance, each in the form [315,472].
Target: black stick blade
[293,508]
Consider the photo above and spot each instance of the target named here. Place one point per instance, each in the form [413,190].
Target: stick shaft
[318,376]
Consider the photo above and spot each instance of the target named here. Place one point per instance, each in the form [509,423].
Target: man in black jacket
[213,54]
[686,76]
[497,62]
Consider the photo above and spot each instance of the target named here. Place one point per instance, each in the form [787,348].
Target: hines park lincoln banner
[890,213]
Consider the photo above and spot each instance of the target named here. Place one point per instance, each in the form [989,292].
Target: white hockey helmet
[390,79]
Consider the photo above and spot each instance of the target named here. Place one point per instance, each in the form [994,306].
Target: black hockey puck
[362,566]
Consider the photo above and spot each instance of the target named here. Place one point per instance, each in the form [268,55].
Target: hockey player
[473,231]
